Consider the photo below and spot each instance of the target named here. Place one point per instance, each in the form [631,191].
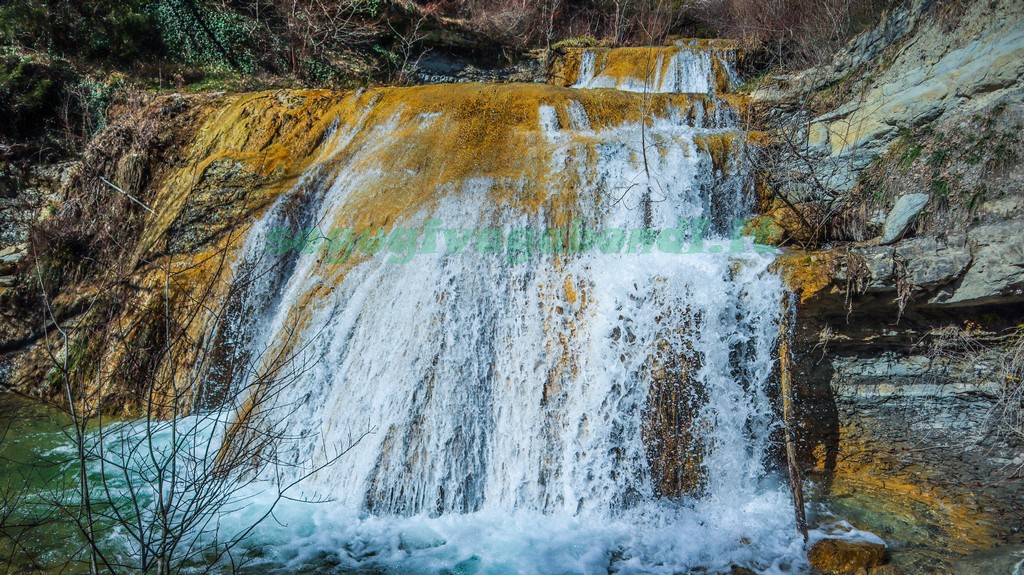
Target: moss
[753,82]
[576,42]
[765,230]
[719,147]
[808,273]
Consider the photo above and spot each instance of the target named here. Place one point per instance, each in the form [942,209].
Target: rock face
[436,68]
[926,60]
[904,418]
[997,271]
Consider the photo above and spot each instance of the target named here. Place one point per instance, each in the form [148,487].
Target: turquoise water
[36,478]
[42,532]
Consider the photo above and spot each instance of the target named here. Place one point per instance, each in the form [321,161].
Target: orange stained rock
[875,480]
[807,273]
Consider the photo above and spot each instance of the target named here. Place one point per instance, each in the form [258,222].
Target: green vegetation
[63,62]
[959,166]
[938,157]
[116,31]
[205,36]
[911,151]
[35,98]
[939,188]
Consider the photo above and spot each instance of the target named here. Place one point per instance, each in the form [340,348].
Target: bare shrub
[857,277]
[795,32]
[1011,399]
[94,221]
[967,343]
[149,495]
[528,23]
[316,27]
[904,288]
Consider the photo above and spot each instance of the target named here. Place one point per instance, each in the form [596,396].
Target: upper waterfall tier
[685,68]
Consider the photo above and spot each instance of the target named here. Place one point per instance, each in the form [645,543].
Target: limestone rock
[13,254]
[1008,559]
[9,258]
[841,557]
[874,261]
[931,262]
[902,217]
[909,70]
[997,271]
[441,67]
[925,263]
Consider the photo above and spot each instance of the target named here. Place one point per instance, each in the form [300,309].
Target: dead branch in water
[786,385]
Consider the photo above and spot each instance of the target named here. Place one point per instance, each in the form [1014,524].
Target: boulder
[902,217]
[842,557]
[13,254]
[997,271]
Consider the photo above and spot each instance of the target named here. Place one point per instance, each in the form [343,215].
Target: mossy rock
[765,230]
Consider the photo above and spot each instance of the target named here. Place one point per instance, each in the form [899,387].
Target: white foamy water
[686,71]
[658,537]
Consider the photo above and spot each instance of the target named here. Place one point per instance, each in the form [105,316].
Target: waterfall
[681,69]
[528,314]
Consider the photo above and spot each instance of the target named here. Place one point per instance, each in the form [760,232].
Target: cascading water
[695,68]
[546,343]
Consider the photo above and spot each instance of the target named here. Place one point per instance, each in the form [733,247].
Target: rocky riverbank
[898,186]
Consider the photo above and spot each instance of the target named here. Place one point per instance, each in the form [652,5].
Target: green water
[38,504]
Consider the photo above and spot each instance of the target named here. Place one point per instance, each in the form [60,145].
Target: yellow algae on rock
[719,147]
[674,430]
[839,557]
[807,273]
